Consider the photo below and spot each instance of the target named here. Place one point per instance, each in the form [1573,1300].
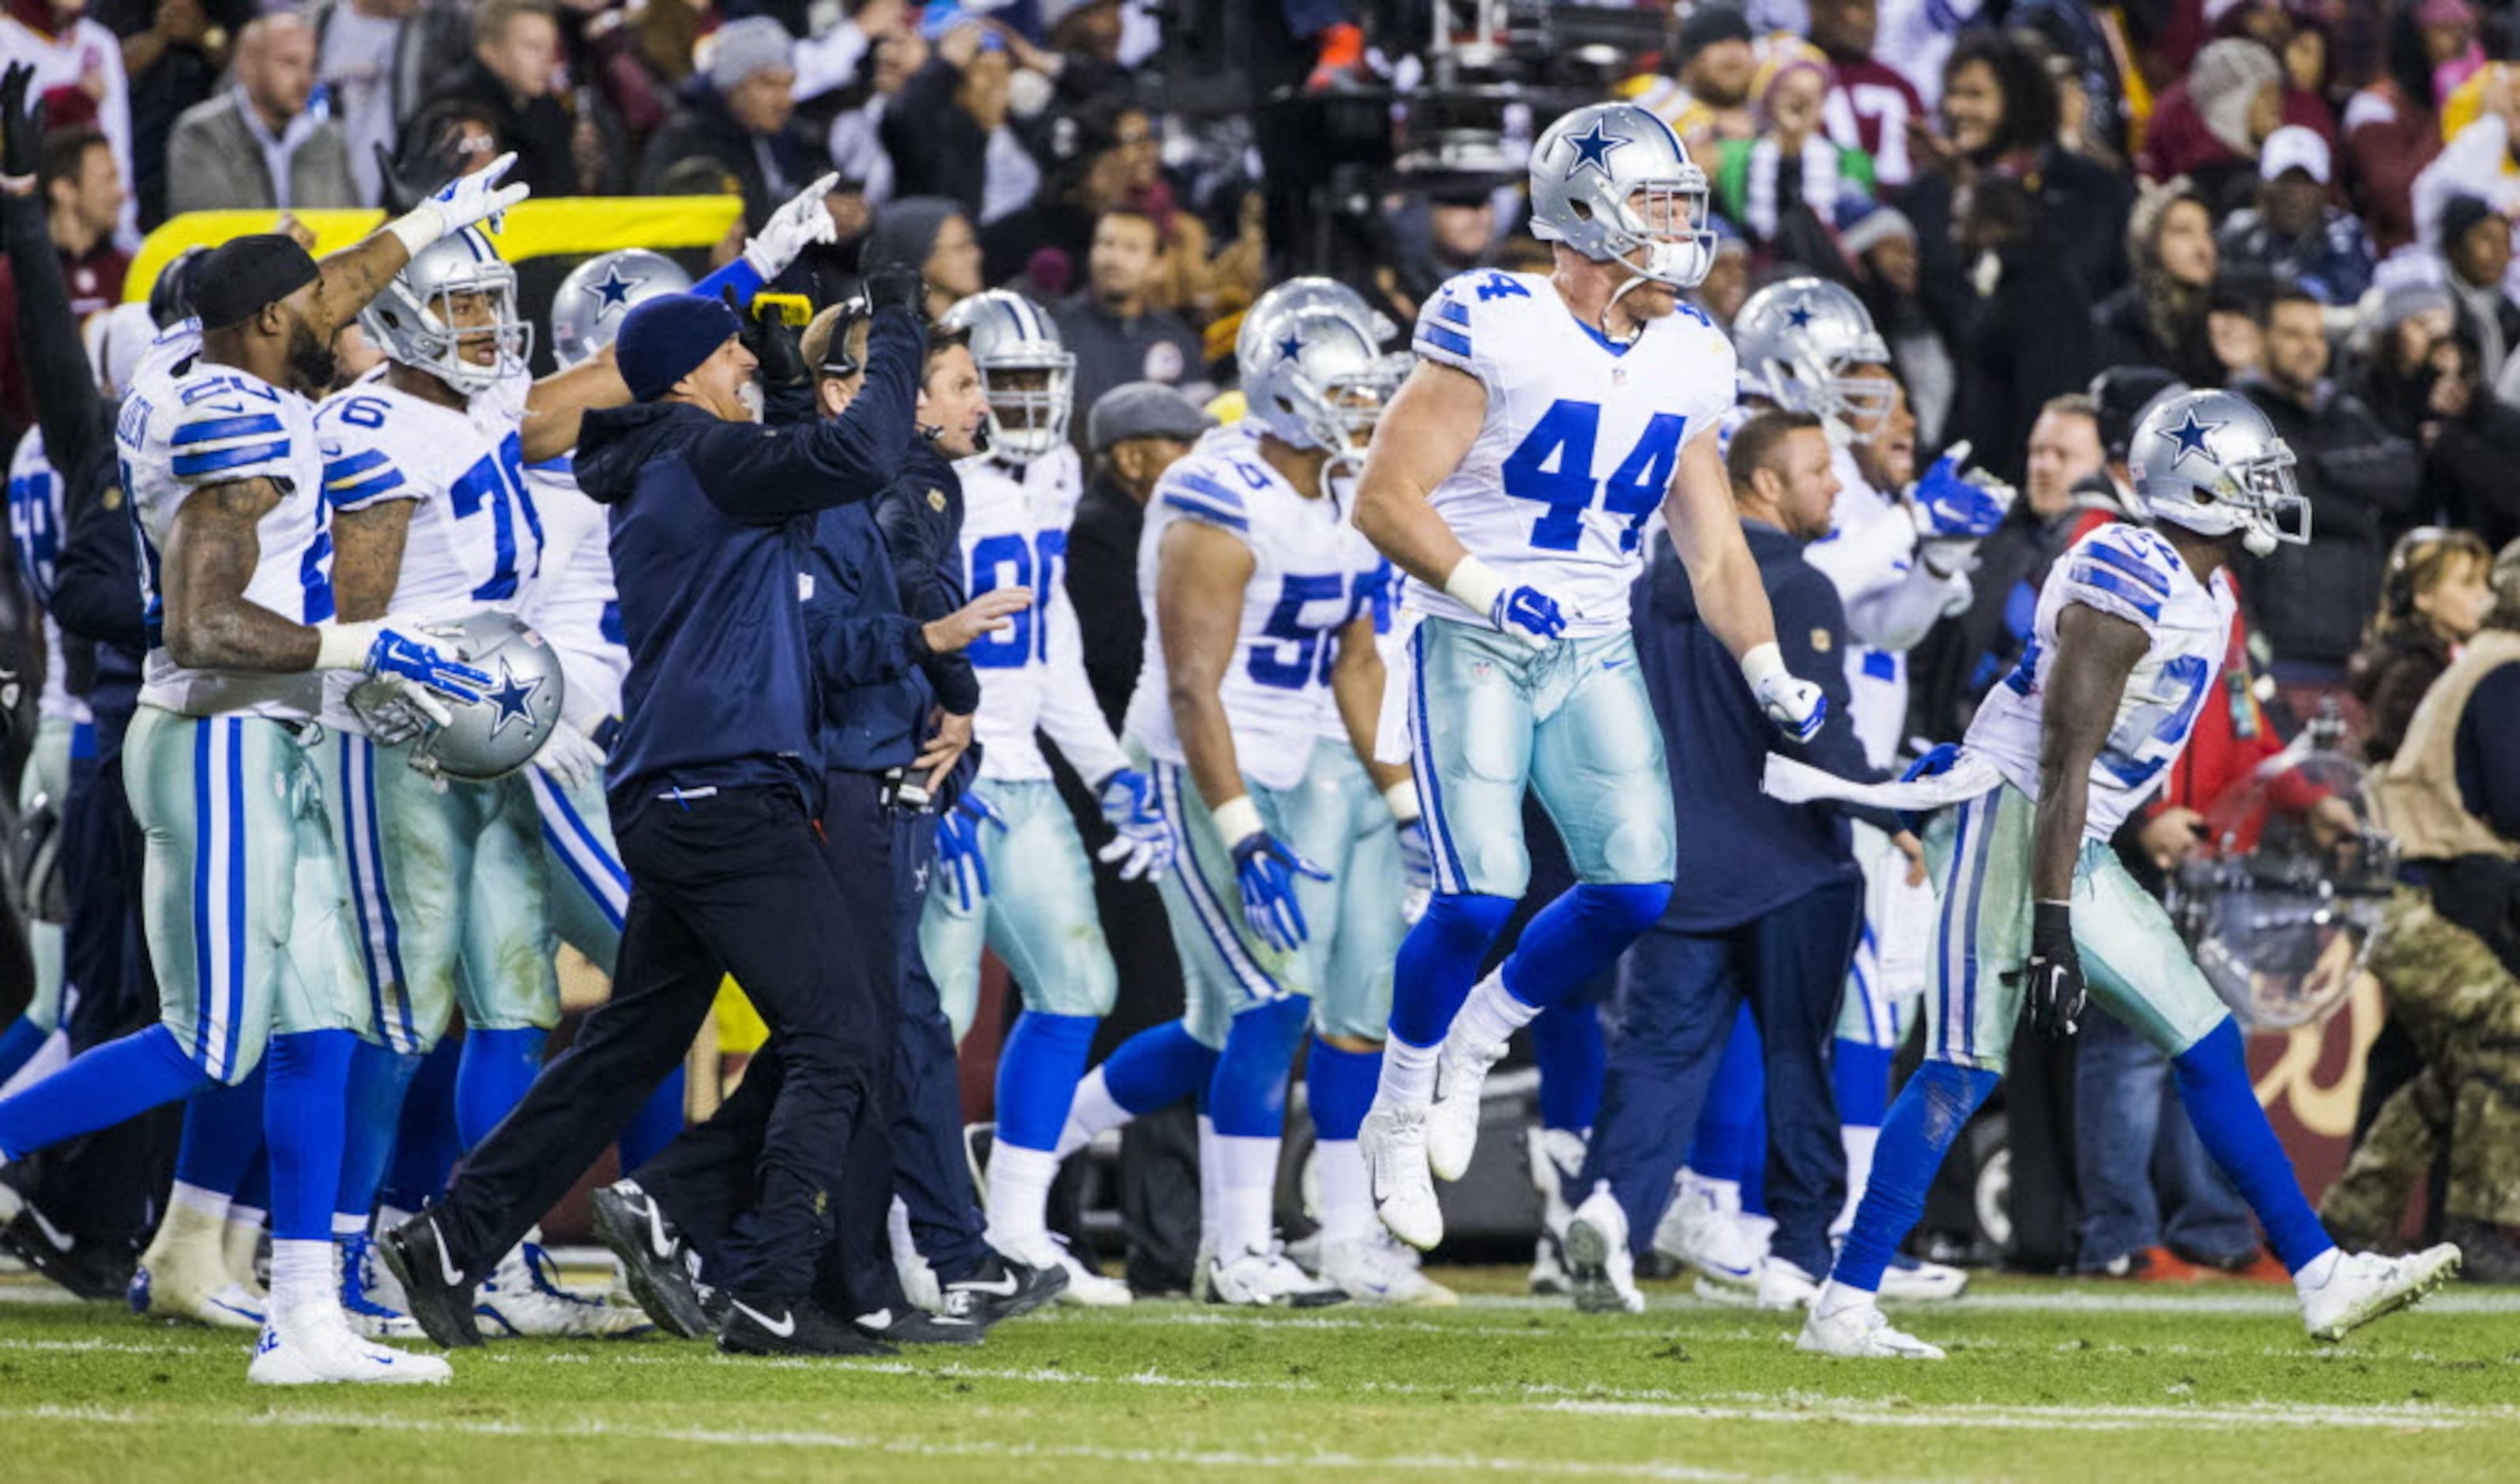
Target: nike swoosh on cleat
[62,1241]
[1005,1288]
[657,1241]
[785,1326]
[453,1274]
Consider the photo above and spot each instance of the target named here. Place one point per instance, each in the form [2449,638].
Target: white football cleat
[1393,1140]
[1915,1280]
[1556,1158]
[313,1346]
[1703,1230]
[1267,1279]
[184,1275]
[1453,1118]
[371,1296]
[1383,1269]
[1597,1259]
[1860,1331]
[2365,1285]
[523,1298]
[1782,1285]
[1086,1288]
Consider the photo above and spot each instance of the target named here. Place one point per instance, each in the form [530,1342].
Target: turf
[2045,1380]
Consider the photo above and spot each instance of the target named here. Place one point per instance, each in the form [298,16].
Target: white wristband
[1401,798]
[1238,819]
[1475,586]
[1763,663]
[344,646]
[418,227]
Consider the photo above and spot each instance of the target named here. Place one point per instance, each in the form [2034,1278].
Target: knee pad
[1465,917]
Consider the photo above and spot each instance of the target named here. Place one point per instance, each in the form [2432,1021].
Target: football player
[1014,876]
[242,897]
[1548,418]
[2130,636]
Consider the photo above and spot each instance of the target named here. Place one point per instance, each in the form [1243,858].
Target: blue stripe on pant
[1678,996]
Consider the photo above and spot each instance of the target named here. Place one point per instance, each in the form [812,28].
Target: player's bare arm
[559,402]
[367,557]
[1423,436]
[1200,573]
[347,280]
[2095,653]
[212,553]
[1706,527]
[1356,685]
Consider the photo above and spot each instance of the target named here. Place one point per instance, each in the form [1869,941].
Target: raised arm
[75,420]
[770,475]
[346,281]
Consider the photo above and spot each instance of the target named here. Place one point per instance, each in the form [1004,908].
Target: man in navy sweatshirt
[716,786]
[1766,904]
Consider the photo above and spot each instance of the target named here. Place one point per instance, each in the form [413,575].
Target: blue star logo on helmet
[1290,348]
[512,701]
[2189,438]
[1799,316]
[614,290]
[1592,149]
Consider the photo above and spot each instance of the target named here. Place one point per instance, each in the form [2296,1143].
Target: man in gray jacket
[255,146]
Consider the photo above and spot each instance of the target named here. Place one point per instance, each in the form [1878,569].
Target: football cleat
[184,1277]
[1393,1142]
[525,1298]
[1265,1278]
[1703,1230]
[917,1326]
[1086,1288]
[1453,1118]
[1860,1331]
[370,1299]
[1556,1158]
[663,1271]
[1382,1269]
[1548,1276]
[1001,1289]
[313,1345]
[1916,1281]
[2365,1285]
[94,1271]
[799,1330]
[1782,1285]
[1597,1260]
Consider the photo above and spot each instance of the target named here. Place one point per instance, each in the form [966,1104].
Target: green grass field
[2045,1380]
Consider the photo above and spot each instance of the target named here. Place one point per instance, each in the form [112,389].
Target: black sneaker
[90,1270]
[792,1329]
[917,1326]
[659,1266]
[438,1293]
[1001,1289]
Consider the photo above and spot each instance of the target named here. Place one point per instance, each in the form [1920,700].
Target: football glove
[477,197]
[1266,870]
[1796,707]
[1956,511]
[957,848]
[398,655]
[795,226]
[395,710]
[2052,979]
[1522,610]
[1142,842]
[568,759]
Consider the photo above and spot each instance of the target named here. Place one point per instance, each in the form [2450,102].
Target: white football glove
[568,759]
[800,224]
[1796,707]
[461,203]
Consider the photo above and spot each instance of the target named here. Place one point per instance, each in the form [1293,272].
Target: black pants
[736,882]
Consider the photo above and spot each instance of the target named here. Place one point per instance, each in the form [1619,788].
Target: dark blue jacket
[712,522]
[920,517]
[867,651]
[1742,853]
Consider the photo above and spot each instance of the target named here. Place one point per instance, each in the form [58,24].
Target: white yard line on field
[1811,1409]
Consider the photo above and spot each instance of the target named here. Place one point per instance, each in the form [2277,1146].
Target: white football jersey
[1032,676]
[1580,443]
[189,425]
[2135,574]
[572,602]
[1297,599]
[36,521]
[1869,557]
[1372,583]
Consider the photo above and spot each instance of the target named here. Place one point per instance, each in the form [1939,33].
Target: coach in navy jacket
[713,785]
[1767,900]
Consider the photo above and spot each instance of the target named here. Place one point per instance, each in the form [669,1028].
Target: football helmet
[590,304]
[1310,292]
[1798,341]
[495,736]
[1320,382]
[1610,180]
[1029,375]
[412,322]
[2212,463]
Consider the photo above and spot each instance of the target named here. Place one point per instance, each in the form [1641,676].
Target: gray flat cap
[1144,410]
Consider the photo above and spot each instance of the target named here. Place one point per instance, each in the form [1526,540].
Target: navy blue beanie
[666,338]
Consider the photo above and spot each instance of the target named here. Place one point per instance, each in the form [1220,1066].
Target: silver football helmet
[412,321]
[598,293]
[1798,341]
[495,736]
[1321,382]
[1611,180]
[1029,375]
[1296,294]
[2211,461]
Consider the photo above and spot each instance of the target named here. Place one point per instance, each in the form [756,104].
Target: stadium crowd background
[2309,202]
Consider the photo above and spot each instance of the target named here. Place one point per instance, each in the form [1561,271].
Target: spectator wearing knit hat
[1706,99]
[2475,247]
[739,110]
[931,234]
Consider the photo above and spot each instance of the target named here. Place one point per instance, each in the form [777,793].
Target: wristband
[1475,586]
[418,227]
[1763,663]
[344,646]
[17,185]
[2052,925]
[1401,798]
[1238,819]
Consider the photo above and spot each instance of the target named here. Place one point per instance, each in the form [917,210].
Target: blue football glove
[1956,511]
[403,657]
[1142,842]
[1528,613]
[957,848]
[1266,870]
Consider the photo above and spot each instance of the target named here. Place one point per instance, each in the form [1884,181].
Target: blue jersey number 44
[1554,466]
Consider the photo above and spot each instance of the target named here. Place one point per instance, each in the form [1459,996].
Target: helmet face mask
[2211,463]
[1805,345]
[1614,182]
[453,298]
[1027,374]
